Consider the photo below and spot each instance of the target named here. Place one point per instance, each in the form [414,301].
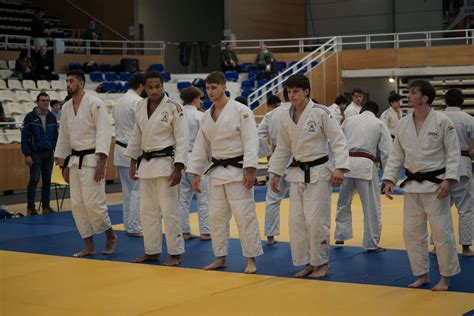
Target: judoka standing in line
[365,133]
[356,105]
[304,133]
[392,115]
[82,149]
[159,145]
[192,102]
[229,132]
[124,118]
[427,146]
[267,134]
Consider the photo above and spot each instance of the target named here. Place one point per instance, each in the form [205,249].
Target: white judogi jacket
[366,133]
[307,141]
[166,127]
[268,129]
[124,118]
[89,128]
[390,117]
[464,125]
[232,135]
[194,118]
[435,147]
[352,109]
[336,112]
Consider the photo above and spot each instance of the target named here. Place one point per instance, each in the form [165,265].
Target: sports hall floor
[38,276]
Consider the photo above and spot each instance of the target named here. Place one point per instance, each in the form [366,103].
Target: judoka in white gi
[124,118]
[461,193]
[365,133]
[159,144]
[229,132]
[392,115]
[427,146]
[267,136]
[304,133]
[339,107]
[82,149]
[191,97]
[356,104]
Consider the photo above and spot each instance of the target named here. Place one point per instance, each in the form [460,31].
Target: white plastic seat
[22,96]
[13,108]
[33,95]
[28,106]
[3,64]
[5,73]
[63,94]
[29,85]
[3,85]
[3,139]
[43,85]
[13,136]
[58,85]
[7,95]
[14,84]
[53,95]
[11,64]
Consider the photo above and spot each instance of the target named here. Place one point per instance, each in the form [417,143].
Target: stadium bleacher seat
[104,68]
[43,85]
[3,64]
[111,76]
[62,94]
[245,67]
[227,93]
[5,73]
[261,82]
[96,76]
[34,94]
[246,93]
[166,76]
[183,85]
[22,96]
[11,64]
[29,85]
[231,76]
[247,85]
[58,85]
[3,85]
[206,104]
[14,84]
[280,65]
[73,66]
[125,76]
[252,75]
[156,67]
[53,95]
[7,95]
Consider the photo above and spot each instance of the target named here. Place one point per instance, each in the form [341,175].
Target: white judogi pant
[272,209]
[131,201]
[418,208]
[159,200]
[369,192]
[461,195]
[88,202]
[185,197]
[310,222]
[230,199]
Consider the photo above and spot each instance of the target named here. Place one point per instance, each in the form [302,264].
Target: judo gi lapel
[301,127]
[151,123]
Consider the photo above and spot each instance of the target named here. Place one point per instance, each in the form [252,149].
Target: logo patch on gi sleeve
[450,127]
[246,115]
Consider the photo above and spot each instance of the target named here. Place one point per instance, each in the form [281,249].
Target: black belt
[234,162]
[165,152]
[423,176]
[465,153]
[121,144]
[361,154]
[306,166]
[79,153]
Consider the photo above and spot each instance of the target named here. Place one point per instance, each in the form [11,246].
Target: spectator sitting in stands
[56,109]
[38,29]
[24,67]
[265,64]
[93,35]
[229,59]
[44,65]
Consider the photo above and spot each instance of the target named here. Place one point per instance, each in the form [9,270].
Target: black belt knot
[306,166]
[423,176]
[234,162]
[165,152]
[79,153]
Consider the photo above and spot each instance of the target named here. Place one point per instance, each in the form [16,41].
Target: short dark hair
[341,99]
[152,75]
[79,74]
[242,100]
[298,81]
[357,90]
[41,94]
[216,77]
[137,80]
[394,97]
[370,106]
[273,100]
[189,94]
[454,97]
[426,88]
[285,94]
[53,102]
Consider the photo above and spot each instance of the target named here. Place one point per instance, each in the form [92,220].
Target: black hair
[341,99]
[41,94]
[394,97]
[426,89]
[153,75]
[216,77]
[242,100]
[370,106]
[137,80]
[298,81]
[454,97]
[273,100]
[79,74]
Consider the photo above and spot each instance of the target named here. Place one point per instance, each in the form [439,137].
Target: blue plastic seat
[183,85]
[111,76]
[231,75]
[247,84]
[156,67]
[252,75]
[280,65]
[73,66]
[96,76]
[245,67]
[166,76]
[206,104]
[125,76]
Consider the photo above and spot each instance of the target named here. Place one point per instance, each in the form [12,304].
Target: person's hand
[336,178]
[175,177]
[66,174]
[28,161]
[443,189]
[387,188]
[196,184]
[100,171]
[275,183]
[249,177]
[132,170]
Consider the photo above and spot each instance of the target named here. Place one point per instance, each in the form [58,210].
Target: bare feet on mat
[189,236]
[135,234]
[320,271]
[173,261]
[378,249]
[422,280]
[110,245]
[84,253]
[308,269]
[251,267]
[442,285]
[205,237]
[219,263]
[271,240]
[466,251]
[147,258]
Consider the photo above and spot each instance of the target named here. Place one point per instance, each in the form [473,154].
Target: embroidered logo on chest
[164,117]
[311,125]
[433,134]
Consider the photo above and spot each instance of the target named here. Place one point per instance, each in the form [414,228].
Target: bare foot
[422,280]
[308,269]
[271,240]
[189,236]
[320,271]
[147,258]
[378,249]
[84,253]
[219,263]
[433,252]
[135,234]
[205,237]
[110,245]
[251,266]
[172,261]
[442,285]
[466,251]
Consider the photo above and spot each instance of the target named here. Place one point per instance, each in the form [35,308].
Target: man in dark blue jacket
[38,140]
